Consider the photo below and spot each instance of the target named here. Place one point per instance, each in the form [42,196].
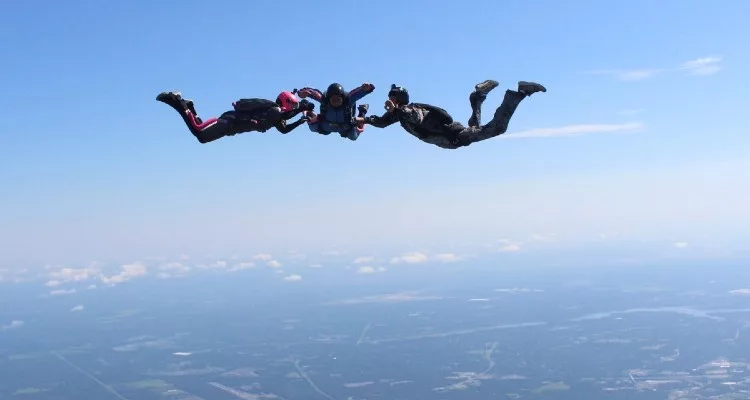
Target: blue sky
[639,137]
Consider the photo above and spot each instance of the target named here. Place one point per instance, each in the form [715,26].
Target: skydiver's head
[398,95]
[335,95]
[287,101]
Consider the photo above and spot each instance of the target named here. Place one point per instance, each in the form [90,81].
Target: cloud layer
[577,130]
[697,67]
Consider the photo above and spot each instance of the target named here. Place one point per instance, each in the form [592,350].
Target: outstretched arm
[387,119]
[360,92]
[285,128]
[312,93]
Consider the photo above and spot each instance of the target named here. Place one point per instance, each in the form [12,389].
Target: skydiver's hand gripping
[304,92]
[389,106]
[306,105]
[368,87]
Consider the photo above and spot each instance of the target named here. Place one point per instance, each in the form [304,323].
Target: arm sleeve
[285,115]
[357,93]
[389,118]
[314,94]
[283,127]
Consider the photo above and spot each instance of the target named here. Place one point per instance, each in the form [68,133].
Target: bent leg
[499,123]
[503,114]
[208,130]
[477,98]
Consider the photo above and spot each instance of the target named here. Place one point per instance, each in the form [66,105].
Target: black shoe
[529,88]
[486,87]
[175,100]
[169,98]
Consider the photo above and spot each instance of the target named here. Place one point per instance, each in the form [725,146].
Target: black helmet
[400,93]
[335,89]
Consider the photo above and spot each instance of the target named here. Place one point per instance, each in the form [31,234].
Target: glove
[304,92]
[306,105]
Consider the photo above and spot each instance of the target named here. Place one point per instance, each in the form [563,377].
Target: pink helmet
[287,101]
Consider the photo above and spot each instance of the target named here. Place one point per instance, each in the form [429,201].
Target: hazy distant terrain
[638,333]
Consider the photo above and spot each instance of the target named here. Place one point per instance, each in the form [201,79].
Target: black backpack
[253,106]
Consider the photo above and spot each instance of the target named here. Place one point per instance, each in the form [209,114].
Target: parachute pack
[253,105]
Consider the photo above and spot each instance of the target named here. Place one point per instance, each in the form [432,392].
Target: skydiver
[249,115]
[337,110]
[436,126]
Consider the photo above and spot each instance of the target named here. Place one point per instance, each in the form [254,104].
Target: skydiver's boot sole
[529,88]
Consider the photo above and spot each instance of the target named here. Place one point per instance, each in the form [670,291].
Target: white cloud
[12,325]
[268,259]
[60,292]
[388,298]
[366,270]
[447,257]
[370,270]
[363,260]
[242,266]
[65,275]
[699,66]
[77,308]
[411,258]
[422,257]
[740,292]
[702,66]
[293,277]
[510,248]
[263,257]
[175,268]
[316,266]
[577,130]
[218,264]
[127,272]
[681,245]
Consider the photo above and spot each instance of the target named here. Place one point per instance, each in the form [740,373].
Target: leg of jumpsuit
[499,123]
[477,98]
[208,131]
[204,131]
